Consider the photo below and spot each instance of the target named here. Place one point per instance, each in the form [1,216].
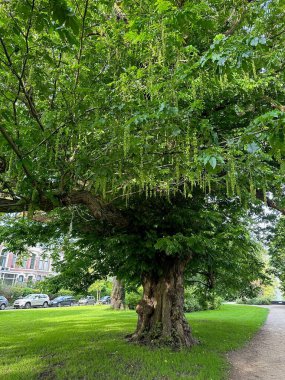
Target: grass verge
[88,343]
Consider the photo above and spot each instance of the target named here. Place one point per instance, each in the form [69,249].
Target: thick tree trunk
[118,295]
[161,319]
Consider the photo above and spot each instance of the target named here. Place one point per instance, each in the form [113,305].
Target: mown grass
[88,343]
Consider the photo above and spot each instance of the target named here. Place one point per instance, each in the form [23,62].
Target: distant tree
[277,252]
[100,288]
[118,294]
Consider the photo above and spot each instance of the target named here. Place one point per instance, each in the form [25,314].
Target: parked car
[89,300]
[32,300]
[3,303]
[63,301]
[105,300]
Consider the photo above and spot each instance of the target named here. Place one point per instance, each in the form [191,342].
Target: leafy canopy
[157,97]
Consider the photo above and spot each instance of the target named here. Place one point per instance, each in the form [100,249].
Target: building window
[24,263]
[14,261]
[32,263]
[30,280]
[21,278]
[46,265]
[39,278]
[41,264]
[3,258]
[9,279]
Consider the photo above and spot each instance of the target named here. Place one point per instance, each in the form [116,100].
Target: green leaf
[253,147]
[213,162]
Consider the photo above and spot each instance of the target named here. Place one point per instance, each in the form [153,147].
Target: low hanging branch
[104,212]
[10,205]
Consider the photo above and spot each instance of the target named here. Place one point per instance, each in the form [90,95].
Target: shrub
[191,301]
[16,291]
[196,300]
[254,301]
[132,299]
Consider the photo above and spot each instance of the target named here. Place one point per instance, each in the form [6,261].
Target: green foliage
[133,298]
[15,291]
[197,299]
[254,301]
[100,288]
[277,251]
[140,97]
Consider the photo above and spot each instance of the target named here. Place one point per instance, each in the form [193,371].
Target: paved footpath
[263,357]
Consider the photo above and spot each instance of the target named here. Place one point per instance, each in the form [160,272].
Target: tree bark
[118,295]
[161,319]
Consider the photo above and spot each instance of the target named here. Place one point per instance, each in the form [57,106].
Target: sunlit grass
[88,343]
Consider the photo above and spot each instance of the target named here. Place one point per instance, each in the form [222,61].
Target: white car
[32,300]
[89,300]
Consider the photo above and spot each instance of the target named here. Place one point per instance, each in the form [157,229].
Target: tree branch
[269,202]
[10,205]
[81,43]
[15,148]
[100,211]
[30,103]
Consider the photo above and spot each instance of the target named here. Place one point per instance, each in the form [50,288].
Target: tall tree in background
[277,251]
[118,294]
[104,105]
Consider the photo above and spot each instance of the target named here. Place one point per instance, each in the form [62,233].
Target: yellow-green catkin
[238,191]
[126,145]
[177,172]
[227,186]
[232,174]
[187,146]
[209,185]
[278,156]
[10,165]
[56,148]
[146,191]
[252,188]
[195,147]
[104,187]
[185,188]
[254,70]
[222,82]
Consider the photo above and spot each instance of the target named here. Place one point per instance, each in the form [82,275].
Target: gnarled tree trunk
[118,294]
[161,319]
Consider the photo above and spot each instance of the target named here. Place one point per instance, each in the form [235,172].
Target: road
[264,356]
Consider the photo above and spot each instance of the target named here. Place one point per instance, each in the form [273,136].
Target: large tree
[104,104]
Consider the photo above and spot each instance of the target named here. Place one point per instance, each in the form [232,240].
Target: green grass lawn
[88,343]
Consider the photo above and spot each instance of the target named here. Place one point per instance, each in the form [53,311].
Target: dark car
[3,303]
[105,300]
[63,301]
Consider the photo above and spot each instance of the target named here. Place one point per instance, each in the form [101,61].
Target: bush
[16,291]
[132,299]
[254,301]
[191,301]
[196,300]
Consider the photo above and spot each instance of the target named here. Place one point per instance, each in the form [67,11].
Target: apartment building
[35,267]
